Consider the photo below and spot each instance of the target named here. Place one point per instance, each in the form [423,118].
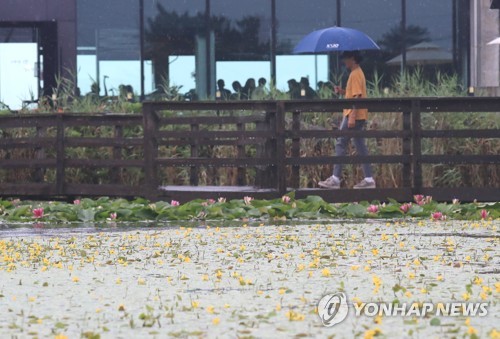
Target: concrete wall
[485,59]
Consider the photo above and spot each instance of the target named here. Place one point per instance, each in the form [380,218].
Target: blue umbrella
[335,39]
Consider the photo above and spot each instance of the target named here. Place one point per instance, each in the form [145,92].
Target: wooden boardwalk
[45,156]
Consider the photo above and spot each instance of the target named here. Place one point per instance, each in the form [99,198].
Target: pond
[260,280]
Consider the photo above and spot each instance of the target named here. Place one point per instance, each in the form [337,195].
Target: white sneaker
[365,185]
[330,183]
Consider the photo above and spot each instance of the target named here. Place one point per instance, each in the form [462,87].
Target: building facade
[187,45]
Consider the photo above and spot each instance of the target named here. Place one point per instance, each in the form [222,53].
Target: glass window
[295,19]
[381,20]
[108,46]
[176,47]
[430,35]
[242,46]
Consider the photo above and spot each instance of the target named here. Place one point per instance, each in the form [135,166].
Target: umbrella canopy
[495,41]
[423,54]
[334,39]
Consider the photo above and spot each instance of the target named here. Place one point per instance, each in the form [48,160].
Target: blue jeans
[359,143]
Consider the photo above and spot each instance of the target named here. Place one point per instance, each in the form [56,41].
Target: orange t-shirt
[356,86]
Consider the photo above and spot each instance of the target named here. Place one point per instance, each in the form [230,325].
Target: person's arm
[351,122]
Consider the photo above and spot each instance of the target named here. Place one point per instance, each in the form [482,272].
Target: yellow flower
[210,309]
[486,289]
[467,321]
[282,291]
[354,267]
[471,330]
[483,295]
[278,307]
[75,279]
[218,274]
[416,262]
[195,304]
[370,334]
[259,292]
[31,299]
[384,237]
[60,336]
[478,281]
[497,287]
[439,278]
[300,267]
[204,277]
[423,290]
[378,319]
[187,259]
[227,305]
[408,294]
[466,296]
[216,321]
[325,272]
[294,316]
[141,281]
[121,307]
[118,281]
[375,251]
[411,275]
[494,334]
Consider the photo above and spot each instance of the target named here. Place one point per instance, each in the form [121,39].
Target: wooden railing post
[241,154]
[60,155]
[417,147]
[295,180]
[193,179]
[280,148]
[39,174]
[150,125]
[117,155]
[263,174]
[407,145]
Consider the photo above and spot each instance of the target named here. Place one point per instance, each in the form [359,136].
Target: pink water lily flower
[418,198]
[286,199]
[405,207]
[113,216]
[221,200]
[38,213]
[436,216]
[247,200]
[174,203]
[455,201]
[77,202]
[484,214]
[372,209]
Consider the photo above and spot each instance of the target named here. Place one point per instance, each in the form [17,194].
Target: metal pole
[334,61]
[273,42]
[141,37]
[403,36]
[208,47]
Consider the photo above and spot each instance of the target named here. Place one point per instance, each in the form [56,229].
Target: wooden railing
[266,137]
[279,151]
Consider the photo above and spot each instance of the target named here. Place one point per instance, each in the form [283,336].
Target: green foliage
[310,208]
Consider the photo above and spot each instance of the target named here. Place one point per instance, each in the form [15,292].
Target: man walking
[354,119]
